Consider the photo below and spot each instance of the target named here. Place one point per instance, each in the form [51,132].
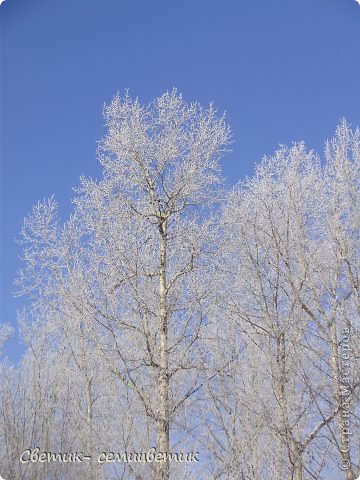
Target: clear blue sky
[284,70]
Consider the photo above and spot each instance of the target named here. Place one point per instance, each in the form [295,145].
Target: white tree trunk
[163,416]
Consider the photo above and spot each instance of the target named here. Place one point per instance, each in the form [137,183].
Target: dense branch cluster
[171,313]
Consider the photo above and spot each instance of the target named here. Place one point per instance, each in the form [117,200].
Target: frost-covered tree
[130,267]
[5,333]
[290,285]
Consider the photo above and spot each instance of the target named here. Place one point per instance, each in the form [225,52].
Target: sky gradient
[283,70]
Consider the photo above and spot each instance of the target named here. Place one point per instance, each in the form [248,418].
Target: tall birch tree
[130,265]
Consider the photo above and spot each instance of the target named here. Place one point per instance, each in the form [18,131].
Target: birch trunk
[163,418]
[298,464]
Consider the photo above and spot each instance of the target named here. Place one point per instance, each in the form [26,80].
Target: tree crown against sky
[129,267]
[276,83]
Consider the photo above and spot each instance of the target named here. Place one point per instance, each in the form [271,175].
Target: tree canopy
[207,331]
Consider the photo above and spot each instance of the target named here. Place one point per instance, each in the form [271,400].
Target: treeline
[215,330]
